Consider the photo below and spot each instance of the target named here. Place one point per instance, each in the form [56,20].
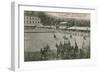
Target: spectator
[85,48]
[72,42]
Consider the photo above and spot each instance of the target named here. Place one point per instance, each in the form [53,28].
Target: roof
[63,22]
[79,28]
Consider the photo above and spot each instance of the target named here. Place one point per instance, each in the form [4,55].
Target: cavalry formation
[67,50]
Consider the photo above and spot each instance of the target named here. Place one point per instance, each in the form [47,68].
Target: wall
[5,35]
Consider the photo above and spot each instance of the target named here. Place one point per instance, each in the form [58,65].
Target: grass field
[36,56]
[33,42]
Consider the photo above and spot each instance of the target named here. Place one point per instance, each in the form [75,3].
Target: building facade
[32,21]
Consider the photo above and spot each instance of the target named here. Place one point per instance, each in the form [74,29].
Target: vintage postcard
[56,35]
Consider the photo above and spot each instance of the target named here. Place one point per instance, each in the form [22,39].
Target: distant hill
[48,20]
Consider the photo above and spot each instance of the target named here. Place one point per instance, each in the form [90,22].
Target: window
[25,22]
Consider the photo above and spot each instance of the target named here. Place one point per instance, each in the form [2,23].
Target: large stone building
[32,21]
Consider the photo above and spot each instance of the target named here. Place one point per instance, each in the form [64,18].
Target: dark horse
[44,52]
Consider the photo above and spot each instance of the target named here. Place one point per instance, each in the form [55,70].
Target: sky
[85,16]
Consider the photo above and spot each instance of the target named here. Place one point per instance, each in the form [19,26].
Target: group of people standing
[68,50]
[71,50]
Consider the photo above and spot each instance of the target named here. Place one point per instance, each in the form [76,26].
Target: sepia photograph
[52,35]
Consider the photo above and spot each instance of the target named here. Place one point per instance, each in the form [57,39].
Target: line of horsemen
[68,50]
